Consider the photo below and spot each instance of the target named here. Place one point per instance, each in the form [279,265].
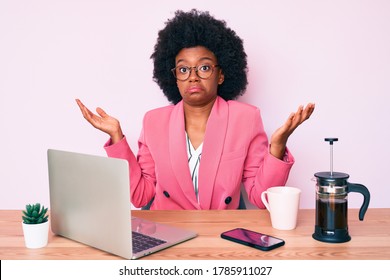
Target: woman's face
[196,91]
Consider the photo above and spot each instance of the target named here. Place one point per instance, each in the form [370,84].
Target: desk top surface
[370,238]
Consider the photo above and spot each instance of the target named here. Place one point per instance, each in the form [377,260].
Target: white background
[333,53]
[280,269]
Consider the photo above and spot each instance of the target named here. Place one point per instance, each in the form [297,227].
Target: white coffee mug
[283,205]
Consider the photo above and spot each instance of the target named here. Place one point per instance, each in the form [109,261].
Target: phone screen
[253,239]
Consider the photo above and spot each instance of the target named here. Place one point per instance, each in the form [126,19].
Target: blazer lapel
[212,150]
[178,153]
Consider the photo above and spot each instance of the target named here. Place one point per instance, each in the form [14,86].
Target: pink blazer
[235,151]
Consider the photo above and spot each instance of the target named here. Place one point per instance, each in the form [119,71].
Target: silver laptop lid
[93,208]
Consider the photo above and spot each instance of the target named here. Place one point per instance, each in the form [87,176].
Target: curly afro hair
[195,28]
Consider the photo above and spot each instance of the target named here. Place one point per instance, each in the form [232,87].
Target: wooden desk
[370,238]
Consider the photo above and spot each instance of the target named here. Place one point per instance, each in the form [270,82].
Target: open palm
[102,121]
[281,135]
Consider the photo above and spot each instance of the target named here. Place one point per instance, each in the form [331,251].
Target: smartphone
[253,239]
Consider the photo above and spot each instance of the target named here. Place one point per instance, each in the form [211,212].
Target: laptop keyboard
[143,242]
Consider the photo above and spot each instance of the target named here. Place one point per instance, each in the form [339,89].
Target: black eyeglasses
[204,71]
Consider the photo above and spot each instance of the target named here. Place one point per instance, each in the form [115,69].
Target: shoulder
[242,108]
[244,115]
[159,113]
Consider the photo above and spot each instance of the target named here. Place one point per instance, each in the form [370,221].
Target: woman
[195,153]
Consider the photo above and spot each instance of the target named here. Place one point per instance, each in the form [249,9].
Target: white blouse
[193,163]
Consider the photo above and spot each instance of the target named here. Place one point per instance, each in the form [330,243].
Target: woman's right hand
[102,121]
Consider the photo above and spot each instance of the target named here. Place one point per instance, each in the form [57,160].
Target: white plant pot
[36,235]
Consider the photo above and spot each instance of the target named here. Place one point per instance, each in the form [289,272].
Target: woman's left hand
[280,136]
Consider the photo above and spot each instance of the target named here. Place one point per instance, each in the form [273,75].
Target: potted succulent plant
[35,225]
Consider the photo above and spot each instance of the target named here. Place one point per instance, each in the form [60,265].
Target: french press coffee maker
[332,189]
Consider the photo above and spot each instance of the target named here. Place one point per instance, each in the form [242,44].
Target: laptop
[90,203]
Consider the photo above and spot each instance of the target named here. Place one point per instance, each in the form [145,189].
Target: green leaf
[29,209]
[37,207]
[35,214]
[28,220]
